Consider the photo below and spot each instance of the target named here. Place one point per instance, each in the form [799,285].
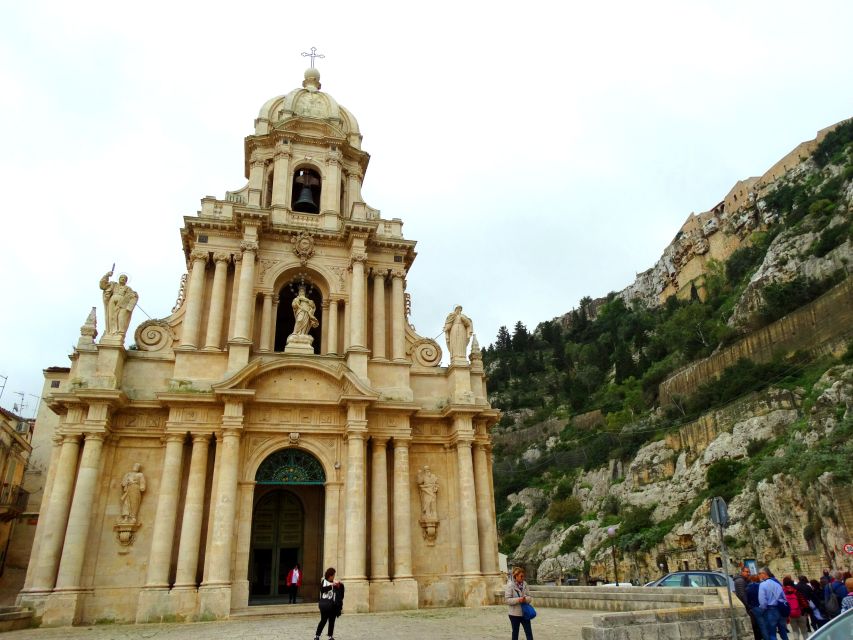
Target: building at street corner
[286,412]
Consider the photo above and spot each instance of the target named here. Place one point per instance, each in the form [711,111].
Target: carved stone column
[398,316]
[379,328]
[195,294]
[246,297]
[235,295]
[357,290]
[402,511]
[256,181]
[331,524]
[281,170]
[379,510]
[163,532]
[188,548]
[49,483]
[56,516]
[467,509]
[324,327]
[274,323]
[223,525]
[215,318]
[266,323]
[485,518]
[332,338]
[80,517]
[355,493]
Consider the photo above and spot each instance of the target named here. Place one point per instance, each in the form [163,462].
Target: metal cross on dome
[312,55]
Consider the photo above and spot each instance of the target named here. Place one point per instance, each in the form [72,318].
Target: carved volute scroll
[154,335]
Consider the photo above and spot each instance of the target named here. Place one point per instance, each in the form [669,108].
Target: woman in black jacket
[331,602]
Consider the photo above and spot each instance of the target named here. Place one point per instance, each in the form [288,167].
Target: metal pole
[615,572]
[725,555]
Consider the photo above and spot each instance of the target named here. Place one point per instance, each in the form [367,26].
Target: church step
[263,610]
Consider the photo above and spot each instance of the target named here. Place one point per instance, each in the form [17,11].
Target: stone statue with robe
[119,302]
[303,314]
[428,485]
[132,488]
[458,330]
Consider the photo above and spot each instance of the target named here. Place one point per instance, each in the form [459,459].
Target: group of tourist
[805,605]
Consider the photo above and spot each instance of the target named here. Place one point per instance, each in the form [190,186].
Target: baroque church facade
[286,412]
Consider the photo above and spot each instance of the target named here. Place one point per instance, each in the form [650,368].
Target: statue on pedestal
[132,488]
[119,301]
[303,321]
[458,330]
[428,485]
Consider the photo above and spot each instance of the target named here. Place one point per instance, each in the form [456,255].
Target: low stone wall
[640,613]
[822,326]
[622,598]
[689,623]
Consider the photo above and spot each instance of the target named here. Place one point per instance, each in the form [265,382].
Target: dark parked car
[693,579]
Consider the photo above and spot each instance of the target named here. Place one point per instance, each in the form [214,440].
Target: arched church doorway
[287,526]
[286,317]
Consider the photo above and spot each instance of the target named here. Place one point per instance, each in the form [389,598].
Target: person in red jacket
[294,581]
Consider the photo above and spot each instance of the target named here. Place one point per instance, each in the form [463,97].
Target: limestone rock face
[774,521]
[784,262]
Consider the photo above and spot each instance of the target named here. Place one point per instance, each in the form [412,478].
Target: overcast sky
[537,151]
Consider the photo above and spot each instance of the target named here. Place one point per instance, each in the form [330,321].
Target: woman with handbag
[517,596]
[331,601]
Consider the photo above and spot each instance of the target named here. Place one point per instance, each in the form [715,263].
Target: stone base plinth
[184,602]
[214,602]
[239,594]
[398,595]
[357,599]
[154,605]
[299,344]
[63,609]
[35,600]
[238,355]
[475,592]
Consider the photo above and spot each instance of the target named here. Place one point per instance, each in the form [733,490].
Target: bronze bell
[305,202]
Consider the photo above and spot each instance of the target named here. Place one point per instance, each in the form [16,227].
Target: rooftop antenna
[2,388]
[20,406]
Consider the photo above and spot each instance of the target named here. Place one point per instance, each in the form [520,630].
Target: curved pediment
[298,379]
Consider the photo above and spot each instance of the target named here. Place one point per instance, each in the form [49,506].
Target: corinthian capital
[249,245]
[358,257]
[221,256]
[198,254]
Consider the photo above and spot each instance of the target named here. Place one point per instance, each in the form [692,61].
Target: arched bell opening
[289,308]
[305,196]
[287,526]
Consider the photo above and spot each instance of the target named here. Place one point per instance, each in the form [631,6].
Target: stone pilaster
[216,314]
[467,509]
[379,510]
[266,323]
[485,516]
[153,603]
[332,339]
[356,523]
[188,548]
[195,294]
[398,317]
[215,592]
[331,524]
[243,541]
[402,511]
[379,328]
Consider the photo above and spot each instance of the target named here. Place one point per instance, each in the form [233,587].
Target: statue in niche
[303,313]
[458,330]
[132,488]
[119,301]
[428,484]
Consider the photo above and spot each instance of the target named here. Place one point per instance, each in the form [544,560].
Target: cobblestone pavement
[424,624]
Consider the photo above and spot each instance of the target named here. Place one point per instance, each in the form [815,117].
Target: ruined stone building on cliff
[286,411]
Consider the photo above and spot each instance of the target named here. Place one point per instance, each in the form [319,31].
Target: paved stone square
[425,624]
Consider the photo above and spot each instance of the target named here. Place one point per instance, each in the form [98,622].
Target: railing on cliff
[818,327]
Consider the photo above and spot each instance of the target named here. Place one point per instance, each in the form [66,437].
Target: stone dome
[308,103]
